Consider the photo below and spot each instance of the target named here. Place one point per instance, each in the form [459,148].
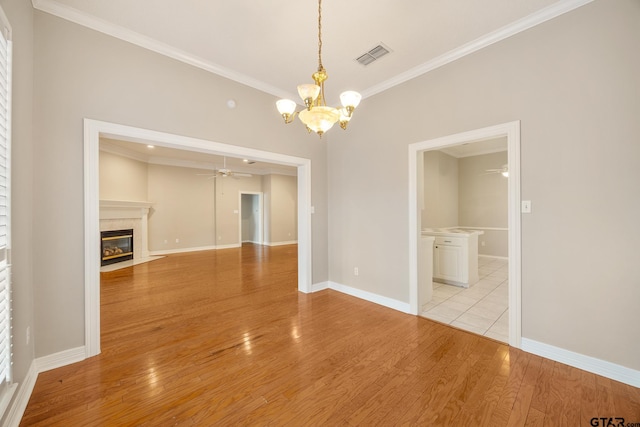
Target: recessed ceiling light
[151,146]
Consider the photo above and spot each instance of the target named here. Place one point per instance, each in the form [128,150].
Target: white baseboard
[231,246]
[367,296]
[209,248]
[40,364]
[290,242]
[580,361]
[196,249]
[319,286]
[63,358]
[16,411]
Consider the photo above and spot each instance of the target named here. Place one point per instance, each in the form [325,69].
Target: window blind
[5,193]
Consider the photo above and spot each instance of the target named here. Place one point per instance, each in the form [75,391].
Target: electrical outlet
[482,243]
[177,240]
[356,272]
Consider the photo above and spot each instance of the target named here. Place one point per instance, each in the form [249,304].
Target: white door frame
[511,131]
[260,215]
[94,129]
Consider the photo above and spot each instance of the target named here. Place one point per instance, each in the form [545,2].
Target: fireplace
[116,246]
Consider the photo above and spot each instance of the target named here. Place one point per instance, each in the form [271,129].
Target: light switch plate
[526,206]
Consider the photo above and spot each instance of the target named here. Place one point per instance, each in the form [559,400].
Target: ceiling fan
[224,172]
[504,170]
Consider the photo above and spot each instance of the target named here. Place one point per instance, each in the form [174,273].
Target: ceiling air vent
[372,55]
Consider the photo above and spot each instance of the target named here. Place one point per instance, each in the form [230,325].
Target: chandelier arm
[288,118]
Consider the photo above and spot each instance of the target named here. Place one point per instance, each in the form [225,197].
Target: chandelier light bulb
[286,106]
[309,93]
[350,98]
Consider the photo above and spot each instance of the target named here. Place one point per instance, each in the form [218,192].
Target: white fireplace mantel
[119,214]
[121,209]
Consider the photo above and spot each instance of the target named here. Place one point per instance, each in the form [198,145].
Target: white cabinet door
[448,262]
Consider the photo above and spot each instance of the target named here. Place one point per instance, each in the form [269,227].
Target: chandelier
[317,116]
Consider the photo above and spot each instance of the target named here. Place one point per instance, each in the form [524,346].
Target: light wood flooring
[224,338]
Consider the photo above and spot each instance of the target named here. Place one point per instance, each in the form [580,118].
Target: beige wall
[573,84]
[81,73]
[459,192]
[228,207]
[20,17]
[183,210]
[483,201]
[441,189]
[282,204]
[482,197]
[188,208]
[122,178]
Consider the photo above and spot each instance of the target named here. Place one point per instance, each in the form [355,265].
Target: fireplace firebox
[116,246]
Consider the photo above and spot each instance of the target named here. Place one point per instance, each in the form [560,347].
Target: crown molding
[81,18]
[86,20]
[507,31]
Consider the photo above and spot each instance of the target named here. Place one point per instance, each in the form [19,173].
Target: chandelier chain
[317,116]
[320,67]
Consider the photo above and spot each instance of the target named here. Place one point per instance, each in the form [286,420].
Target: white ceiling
[272,45]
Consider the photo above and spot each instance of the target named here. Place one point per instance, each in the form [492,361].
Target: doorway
[94,130]
[251,218]
[416,172]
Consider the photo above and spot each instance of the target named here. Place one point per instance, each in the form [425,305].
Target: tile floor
[483,308]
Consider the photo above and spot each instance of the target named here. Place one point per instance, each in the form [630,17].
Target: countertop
[450,232]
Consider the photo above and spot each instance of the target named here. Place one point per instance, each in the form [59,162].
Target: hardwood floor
[224,338]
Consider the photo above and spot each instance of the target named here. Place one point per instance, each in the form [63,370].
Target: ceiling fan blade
[210,175]
[504,168]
